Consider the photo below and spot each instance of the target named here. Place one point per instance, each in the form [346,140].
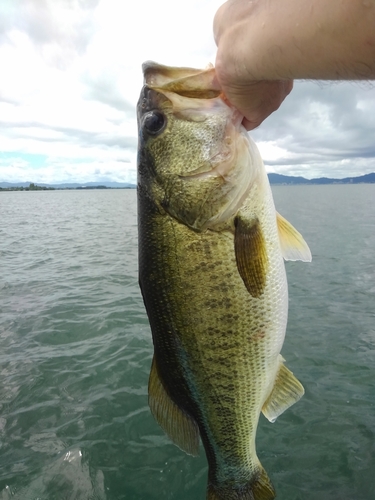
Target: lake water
[75,352]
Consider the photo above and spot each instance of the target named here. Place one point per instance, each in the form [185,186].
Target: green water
[75,351]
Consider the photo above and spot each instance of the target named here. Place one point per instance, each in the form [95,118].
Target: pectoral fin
[293,246]
[179,426]
[251,256]
[286,391]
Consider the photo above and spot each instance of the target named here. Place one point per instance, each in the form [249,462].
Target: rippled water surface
[75,352]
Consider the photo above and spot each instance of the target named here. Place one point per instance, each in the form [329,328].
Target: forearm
[295,39]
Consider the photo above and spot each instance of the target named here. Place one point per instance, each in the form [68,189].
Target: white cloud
[270,151]
[327,129]
[71,76]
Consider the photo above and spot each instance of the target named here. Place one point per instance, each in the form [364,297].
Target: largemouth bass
[211,271]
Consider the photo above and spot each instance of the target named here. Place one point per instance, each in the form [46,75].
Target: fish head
[194,157]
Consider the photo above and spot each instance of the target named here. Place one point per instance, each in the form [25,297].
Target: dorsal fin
[177,424]
[293,246]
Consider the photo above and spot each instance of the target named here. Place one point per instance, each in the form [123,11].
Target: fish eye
[154,122]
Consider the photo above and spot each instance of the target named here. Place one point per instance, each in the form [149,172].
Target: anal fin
[177,424]
[286,391]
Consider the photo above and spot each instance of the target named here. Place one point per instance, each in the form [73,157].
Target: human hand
[264,45]
[255,99]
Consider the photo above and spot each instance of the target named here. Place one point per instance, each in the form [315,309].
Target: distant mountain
[70,185]
[275,179]
[288,179]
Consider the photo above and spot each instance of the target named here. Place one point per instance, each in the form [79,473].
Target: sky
[71,76]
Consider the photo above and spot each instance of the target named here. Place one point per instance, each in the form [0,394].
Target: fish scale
[216,344]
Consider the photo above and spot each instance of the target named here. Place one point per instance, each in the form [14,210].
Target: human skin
[263,45]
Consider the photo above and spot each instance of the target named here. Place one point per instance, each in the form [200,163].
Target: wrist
[296,39]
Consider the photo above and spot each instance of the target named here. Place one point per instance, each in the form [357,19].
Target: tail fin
[259,488]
